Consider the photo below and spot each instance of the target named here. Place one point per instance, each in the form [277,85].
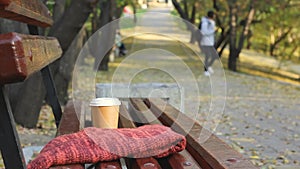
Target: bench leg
[9,141]
[51,94]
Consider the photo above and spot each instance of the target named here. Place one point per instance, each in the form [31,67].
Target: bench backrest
[21,55]
[32,12]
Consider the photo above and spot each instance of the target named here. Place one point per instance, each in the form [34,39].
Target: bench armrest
[21,55]
[32,12]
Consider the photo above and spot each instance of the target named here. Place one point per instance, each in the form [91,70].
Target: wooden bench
[21,56]
[212,153]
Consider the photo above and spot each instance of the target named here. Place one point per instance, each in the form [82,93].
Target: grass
[262,66]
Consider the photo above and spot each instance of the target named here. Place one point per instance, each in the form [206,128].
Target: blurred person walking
[206,43]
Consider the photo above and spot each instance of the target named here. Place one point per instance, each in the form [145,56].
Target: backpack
[198,33]
[200,25]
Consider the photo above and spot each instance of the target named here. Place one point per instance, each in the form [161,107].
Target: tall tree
[233,30]
[58,10]
[187,11]
[279,20]
[110,10]
[236,47]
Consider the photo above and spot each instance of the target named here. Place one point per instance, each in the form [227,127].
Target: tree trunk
[95,19]
[290,55]
[235,51]
[134,11]
[273,45]
[223,47]
[59,9]
[246,28]
[232,61]
[184,14]
[105,18]
[186,9]
[65,30]
[222,38]
[109,11]
[192,20]
[193,14]
[272,49]
[224,34]
[177,6]
[64,76]
[249,40]
[232,49]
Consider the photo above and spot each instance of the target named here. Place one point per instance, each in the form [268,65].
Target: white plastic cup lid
[105,102]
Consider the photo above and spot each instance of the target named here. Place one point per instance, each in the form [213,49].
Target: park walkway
[261,116]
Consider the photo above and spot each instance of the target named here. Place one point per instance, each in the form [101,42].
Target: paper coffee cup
[105,112]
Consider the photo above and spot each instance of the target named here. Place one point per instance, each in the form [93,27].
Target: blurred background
[258,44]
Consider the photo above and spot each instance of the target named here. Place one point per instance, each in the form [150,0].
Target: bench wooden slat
[182,160]
[69,122]
[74,166]
[125,119]
[32,12]
[109,165]
[139,163]
[215,152]
[21,55]
[140,112]
[144,163]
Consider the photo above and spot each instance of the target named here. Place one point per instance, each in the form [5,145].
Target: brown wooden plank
[139,112]
[21,55]
[69,122]
[145,163]
[109,165]
[74,166]
[215,152]
[32,12]
[182,160]
[139,163]
[125,120]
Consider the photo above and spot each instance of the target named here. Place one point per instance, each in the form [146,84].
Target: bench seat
[212,153]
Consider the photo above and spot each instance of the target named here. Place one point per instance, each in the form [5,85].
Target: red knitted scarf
[91,145]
